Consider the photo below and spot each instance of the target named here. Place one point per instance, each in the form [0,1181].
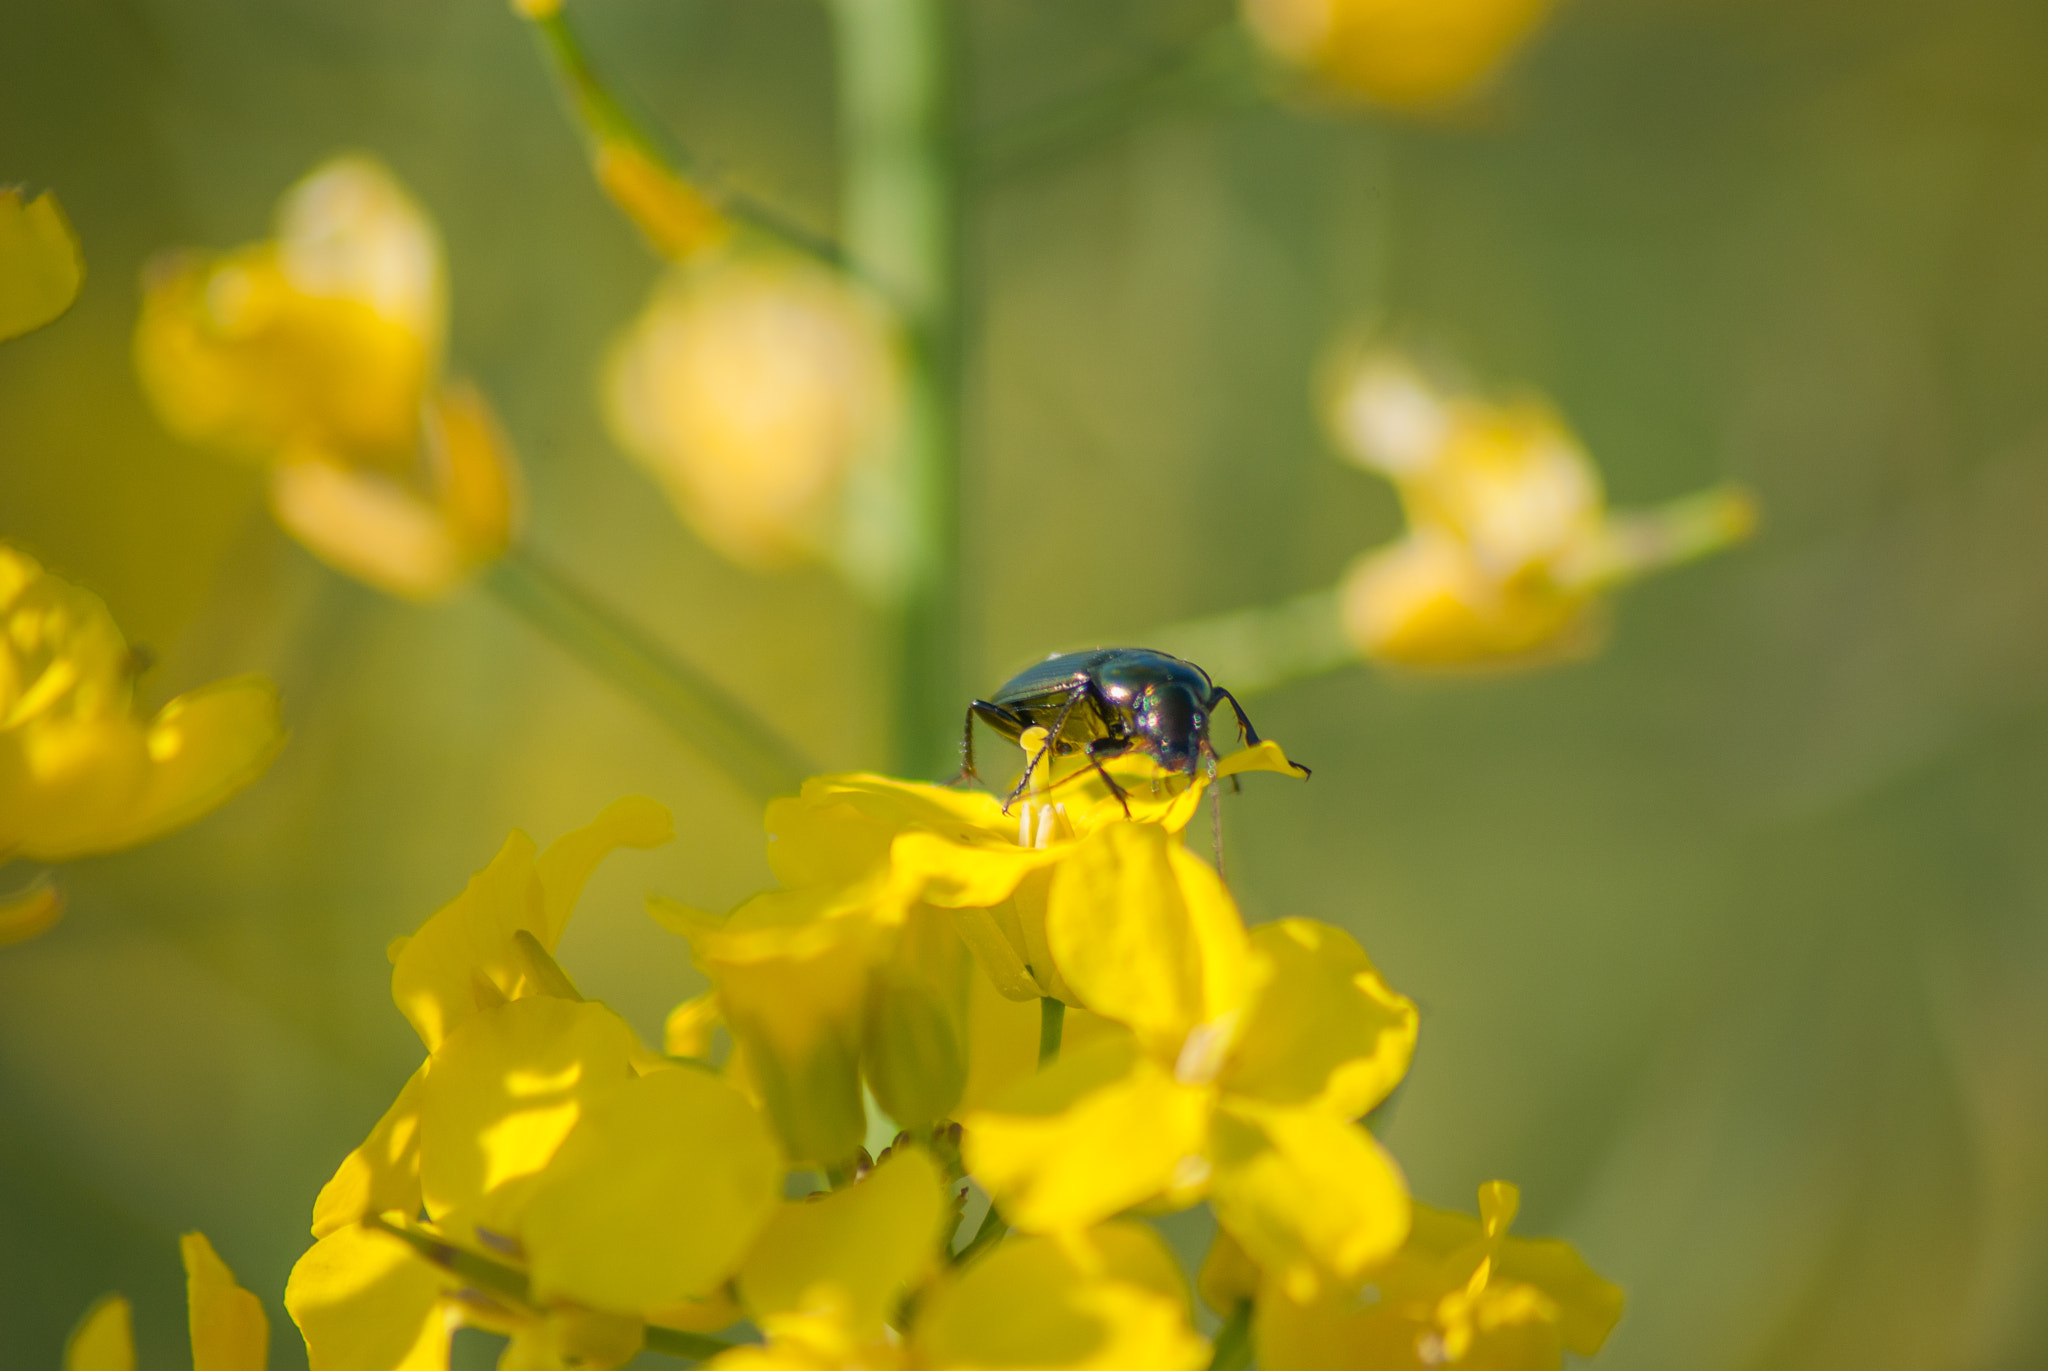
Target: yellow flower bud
[753,389]
[1407,54]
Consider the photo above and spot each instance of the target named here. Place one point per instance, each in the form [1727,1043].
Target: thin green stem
[1052,1019]
[1234,1340]
[718,724]
[901,225]
[1219,66]
[605,118]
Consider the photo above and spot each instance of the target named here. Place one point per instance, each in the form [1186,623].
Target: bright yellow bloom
[1408,54]
[541,1136]
[229,1329]
[1247,1058]
[41,267]
[81,771]
[318,354]
[762,393]
[1510,546]
[1460,1292]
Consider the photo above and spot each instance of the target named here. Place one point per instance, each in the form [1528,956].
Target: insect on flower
[1110,702]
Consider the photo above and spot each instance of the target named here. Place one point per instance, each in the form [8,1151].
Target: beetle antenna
[1215,809]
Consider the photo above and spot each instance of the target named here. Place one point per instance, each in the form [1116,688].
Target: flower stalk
[749,751]
[900,220]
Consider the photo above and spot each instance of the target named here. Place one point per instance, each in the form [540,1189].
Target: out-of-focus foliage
[1727,942]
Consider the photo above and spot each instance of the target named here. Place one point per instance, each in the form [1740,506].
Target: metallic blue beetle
[1106,703]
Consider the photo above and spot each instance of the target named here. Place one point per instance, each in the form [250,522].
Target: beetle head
[1172,727]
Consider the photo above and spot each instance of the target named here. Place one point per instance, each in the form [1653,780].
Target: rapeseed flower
[41,267]
[318,354]
[1412,55]
[1510,546]
[82,770]
[229,1329]
[762,393]
[862,963]
[1460,1292]
[1244,1060]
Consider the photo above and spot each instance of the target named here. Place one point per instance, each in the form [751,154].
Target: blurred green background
[1731,942]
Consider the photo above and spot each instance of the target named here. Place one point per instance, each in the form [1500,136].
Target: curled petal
[1323,1027]
[41,267]
[230,1331]
[1099,1131]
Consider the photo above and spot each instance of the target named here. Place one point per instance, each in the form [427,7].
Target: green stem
[991,1231]
[901,225]
[1250,650]
[1052,1019]
[605,118]
[699,711]
[1234,1340]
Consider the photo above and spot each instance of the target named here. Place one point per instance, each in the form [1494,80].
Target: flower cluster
[1061,1018]
[318,354]
[82,771]
[1510,546]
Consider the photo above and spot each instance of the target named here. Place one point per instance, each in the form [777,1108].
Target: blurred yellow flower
[1247,1058]
[1510,546]
[229,1329]
[762,393]
[318,354]
[41,267]
[81,771]
[1460,1292]
[1414,55]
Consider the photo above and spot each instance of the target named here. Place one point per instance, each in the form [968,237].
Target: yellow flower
[762,393]
[41,267]
[1510,546]
[1414,55]
[1246,1059]
[81,770]
[229,1329]
[1460,1292]
[318,354]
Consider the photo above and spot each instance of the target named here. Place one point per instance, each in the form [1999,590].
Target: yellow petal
[229,1329]
[678,219]
[382,1175]
[468,941]
[1110,1301]
[203,747]
[1323,1027]
[366,1302]
[1424,601]
[838,828]
[31,913]
[853,1254]
[67,782]
[1228,1276]
[104,1339]
[41,267]
[1307,1195]
[472,474]
[690,1025]
[963,875]
[1266,756]
[1002,1042]
[1146,934]
[655,1195]
[791,969]
[506,1088]
[634,821]
[1587,1307]
[1099,1131]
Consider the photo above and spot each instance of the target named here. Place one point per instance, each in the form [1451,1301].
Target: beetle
[1106,703]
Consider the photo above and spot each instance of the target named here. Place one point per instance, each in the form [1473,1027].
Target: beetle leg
[995,716]
[1058,726]
[1110,747]
[1245,730]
